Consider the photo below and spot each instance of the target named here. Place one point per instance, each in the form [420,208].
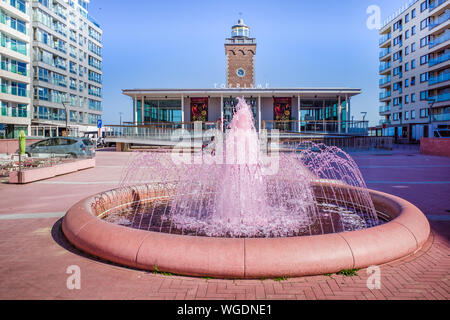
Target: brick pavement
[34,255]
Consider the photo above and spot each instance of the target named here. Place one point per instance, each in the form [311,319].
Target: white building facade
[15,71]
[66,67]
[415,70]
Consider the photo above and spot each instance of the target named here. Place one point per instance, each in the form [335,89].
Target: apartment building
[15,56]
[414,70]
[66,67]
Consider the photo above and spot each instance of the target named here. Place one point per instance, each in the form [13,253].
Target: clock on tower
[240,50]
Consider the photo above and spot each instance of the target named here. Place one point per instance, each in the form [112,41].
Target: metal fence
[318,126]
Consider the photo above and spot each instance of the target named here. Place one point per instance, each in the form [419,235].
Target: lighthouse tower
[240,51]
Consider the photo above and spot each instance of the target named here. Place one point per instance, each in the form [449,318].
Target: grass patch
[328,274]
[280,279]
[348,272]
[157,271]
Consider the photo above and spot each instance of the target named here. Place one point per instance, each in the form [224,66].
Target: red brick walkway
[34,256]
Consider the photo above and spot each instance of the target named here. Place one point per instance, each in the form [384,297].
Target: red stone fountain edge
[252,257]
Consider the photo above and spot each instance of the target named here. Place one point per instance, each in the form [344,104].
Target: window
[406,115]
[424,59]
[413,63]
[413,114]
[397,86]
[406,51]
[406,34]
[398,56]
[413,30]
[424,24]
[424,6]
[406,83]
[395,116]
[424,95]
[413,47]
[397,101]
[424,77]
[398,25]
[423,113]
[407,66]
[424,41]
[413,13]
[407,18]
[397,71]
[413,81]
[413,97]
[397,40]
[406,99]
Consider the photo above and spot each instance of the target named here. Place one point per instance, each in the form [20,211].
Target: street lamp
[431,102]
[67,116]
[120,114]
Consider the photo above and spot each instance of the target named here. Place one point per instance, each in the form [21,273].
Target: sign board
[99,123]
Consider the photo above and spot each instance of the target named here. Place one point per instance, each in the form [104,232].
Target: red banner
[199,109]
[282,108]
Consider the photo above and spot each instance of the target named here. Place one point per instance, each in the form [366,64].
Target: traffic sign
[99,123]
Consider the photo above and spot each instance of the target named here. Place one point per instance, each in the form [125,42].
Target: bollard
[22,146]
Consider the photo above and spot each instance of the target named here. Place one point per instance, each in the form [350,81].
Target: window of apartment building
[413,97]
[424,59]
[413,30]
[406,34]
[406,99]
[395,116]
[398,25]
[413,13]
[406,66]
[407,18]
[406,51]
[413,114]
[424,113]
[424,95]
[397,101]
[397,86]
[424,6]
[397,40]
[424,77]
[397,71]
[406,115]
[413,63]
[413,47]
[424,24]
[424,41]
[398,55]
[413,81]
[406,83]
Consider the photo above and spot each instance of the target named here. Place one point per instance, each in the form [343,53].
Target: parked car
[68,147]
[442,133]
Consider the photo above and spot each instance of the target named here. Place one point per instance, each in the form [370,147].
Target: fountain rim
[254,258]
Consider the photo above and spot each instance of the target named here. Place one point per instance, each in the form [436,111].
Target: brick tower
[240,50]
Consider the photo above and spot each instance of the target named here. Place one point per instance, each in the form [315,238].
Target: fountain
[234,211]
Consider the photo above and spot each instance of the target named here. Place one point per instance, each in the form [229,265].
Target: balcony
[384,66]
[440,59]
[440,20]
[384,38]
[14,68]
[386,108]
[15,91]
[385,80]
[385,52]
[384,95]
[385,122]
[440,98]
[14,112]
[439,40]
[435,4]
[440,117]
[440,78]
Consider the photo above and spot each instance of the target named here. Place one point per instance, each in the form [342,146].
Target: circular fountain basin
[404,234]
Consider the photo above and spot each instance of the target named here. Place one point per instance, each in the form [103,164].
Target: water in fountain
[316,189]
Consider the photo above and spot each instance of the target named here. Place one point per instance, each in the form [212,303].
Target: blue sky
[180,44]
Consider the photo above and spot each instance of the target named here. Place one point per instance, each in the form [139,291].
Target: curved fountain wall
[404,234]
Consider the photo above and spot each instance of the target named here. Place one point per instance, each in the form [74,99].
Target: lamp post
[431,102]
[67,116]
[120,114]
